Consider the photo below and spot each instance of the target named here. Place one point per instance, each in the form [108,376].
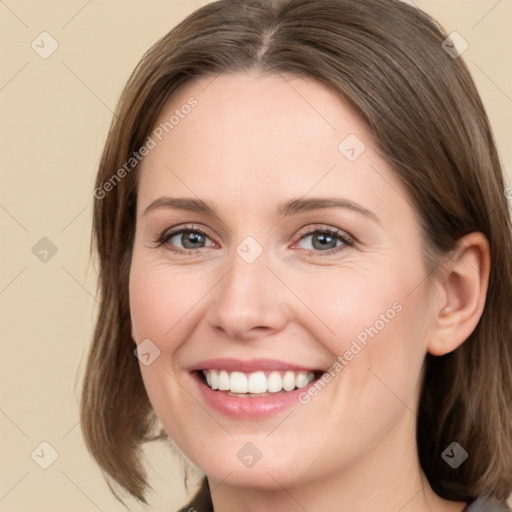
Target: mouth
[256,384]
[250,390]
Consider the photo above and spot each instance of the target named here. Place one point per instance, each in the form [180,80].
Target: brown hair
[384,58]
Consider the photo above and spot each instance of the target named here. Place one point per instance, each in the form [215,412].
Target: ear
[461,293]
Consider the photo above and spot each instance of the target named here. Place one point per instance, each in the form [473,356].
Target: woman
[303,233]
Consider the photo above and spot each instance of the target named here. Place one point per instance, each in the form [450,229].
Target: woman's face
[271,285]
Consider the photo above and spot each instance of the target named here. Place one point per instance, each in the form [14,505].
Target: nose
[249,302]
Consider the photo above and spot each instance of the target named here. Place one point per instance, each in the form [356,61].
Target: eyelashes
[326,236]
[165,238]
[191,236]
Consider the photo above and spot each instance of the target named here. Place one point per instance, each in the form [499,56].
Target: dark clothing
[202,502]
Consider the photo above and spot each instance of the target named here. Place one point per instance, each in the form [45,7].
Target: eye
[325,240]
[185,239]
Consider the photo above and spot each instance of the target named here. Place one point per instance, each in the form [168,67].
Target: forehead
[258,115]
[251,136]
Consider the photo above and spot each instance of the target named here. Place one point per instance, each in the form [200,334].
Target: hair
[384,59]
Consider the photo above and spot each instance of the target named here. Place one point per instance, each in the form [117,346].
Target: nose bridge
[246,302]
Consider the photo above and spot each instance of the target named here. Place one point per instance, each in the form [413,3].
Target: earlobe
[464,286]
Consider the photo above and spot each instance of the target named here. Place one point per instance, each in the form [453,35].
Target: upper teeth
[258,382]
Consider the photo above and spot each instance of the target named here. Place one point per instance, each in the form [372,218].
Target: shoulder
[486,505]
[201,502]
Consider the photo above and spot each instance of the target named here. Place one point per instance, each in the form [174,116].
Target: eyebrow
[290,207]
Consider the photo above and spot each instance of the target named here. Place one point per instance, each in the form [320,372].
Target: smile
[251,389]
[257,383]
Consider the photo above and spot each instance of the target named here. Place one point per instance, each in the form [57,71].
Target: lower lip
[249,407]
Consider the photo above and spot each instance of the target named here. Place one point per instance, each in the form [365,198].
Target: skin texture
[251,144]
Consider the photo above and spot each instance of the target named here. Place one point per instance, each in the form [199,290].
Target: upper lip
[248,366]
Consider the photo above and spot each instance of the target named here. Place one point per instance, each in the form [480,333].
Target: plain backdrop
[55,112]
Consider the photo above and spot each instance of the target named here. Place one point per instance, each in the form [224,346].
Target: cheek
[349,304]
[160,300]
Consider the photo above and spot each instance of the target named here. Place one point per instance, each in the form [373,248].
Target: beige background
[55,113]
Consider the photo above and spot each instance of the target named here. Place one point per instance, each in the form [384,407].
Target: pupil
[191,240]
[325,241]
